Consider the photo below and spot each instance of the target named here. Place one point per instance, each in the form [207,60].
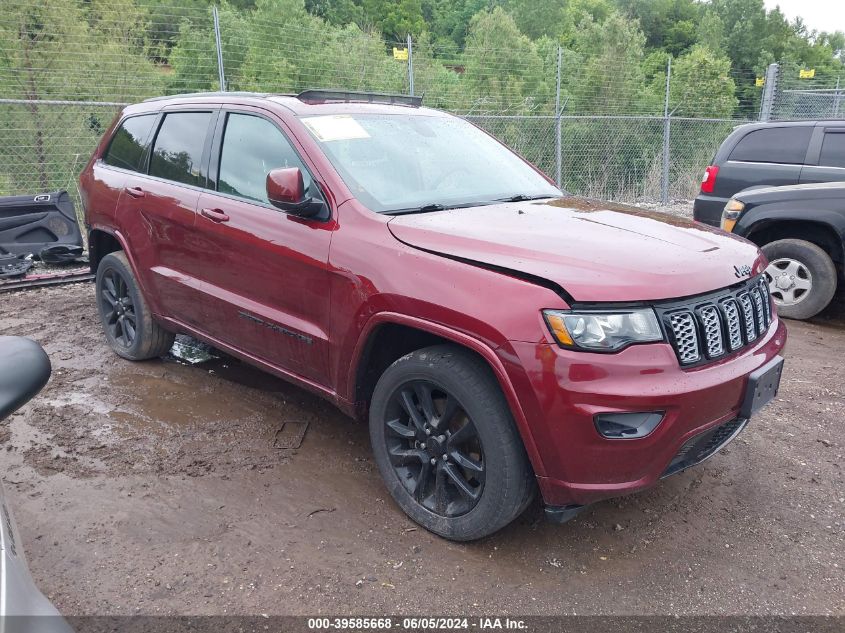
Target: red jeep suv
[499,335]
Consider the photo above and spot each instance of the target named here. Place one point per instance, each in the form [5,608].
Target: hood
[811,191]
[595,251]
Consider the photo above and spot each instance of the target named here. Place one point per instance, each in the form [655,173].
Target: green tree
[395,18]
[669,25]
[609,77]
[538,18]
[701,85]
[503,68]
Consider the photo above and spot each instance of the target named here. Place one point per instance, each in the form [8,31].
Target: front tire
[446,445]
[802,277]
[126,318]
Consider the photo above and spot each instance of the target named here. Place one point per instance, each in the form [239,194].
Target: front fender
[460,338]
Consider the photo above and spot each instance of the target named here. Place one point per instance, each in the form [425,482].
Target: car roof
[309,103]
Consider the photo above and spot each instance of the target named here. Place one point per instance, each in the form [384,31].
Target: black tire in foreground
[446,444]
[127,322]
[802,277]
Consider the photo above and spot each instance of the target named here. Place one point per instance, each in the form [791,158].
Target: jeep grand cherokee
[499,335]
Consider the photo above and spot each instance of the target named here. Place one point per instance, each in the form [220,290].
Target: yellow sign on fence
[806,74]
[760,81]
[400,53]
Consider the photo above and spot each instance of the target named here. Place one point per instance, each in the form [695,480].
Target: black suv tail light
[708,183]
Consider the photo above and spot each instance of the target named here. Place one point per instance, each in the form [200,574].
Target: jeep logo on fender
[742,271]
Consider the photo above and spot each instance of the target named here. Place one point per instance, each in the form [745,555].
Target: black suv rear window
[129,142]
[833,149]
[774,145]
[177,152]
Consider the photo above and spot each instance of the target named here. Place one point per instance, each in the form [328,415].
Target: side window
[833,149]
[786,145]
[177,151]
[129,142]
[252,147]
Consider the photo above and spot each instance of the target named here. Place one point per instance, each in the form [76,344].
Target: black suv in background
[771,154]
[801,230]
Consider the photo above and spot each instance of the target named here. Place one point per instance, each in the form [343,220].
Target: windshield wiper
[521,197]
[426,208]
[436,206]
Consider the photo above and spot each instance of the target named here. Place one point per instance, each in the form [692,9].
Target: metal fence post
[558,130]
[220,72]
[410,65]
[767,103]
[836,100]
[664,180]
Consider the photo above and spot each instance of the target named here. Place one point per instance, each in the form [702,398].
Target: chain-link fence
[600,126]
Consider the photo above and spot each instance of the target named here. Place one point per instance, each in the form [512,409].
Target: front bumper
[563,390]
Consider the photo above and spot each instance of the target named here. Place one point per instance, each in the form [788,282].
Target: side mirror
[286,191]
[24,370]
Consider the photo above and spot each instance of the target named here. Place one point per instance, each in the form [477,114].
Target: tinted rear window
[833,149]
[129,142]
[178,148]
[774,145]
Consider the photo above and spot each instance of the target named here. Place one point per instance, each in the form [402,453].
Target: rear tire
[446,445]
[802,277]
[126,318]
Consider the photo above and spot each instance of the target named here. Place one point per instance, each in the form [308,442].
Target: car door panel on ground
[262,268]
[826,158]
[165,200]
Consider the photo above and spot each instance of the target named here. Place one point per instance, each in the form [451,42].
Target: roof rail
[366,97]
[259,95]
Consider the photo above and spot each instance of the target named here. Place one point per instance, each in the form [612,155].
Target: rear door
[826,160]
[125,155]
[156,212]
[766,156]
[264,272]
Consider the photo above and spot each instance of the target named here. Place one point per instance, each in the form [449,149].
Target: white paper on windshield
[336,127]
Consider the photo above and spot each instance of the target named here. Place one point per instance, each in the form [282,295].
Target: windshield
[401,162]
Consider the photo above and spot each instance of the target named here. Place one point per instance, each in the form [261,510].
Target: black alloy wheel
[129,326]
[118,309]
[434,448]
[446,444]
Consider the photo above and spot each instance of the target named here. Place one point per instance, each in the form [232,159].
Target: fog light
[627,426]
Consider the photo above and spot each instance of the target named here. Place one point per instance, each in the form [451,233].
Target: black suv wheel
[446,444]
[128,324]
[802,277]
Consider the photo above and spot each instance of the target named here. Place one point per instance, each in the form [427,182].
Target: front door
[265,271]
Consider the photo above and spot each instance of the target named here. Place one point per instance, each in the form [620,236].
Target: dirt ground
[155,488]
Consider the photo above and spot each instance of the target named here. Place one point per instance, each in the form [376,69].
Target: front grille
[706,328]
[702,446]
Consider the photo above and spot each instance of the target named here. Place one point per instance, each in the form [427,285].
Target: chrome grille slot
[686,337]
[731,311]
[747,317]
[712,330]
[767,301]
[756,295]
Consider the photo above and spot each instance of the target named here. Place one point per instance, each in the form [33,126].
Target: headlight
[731,214]
[603,330]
